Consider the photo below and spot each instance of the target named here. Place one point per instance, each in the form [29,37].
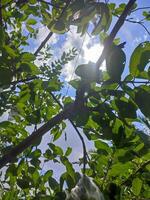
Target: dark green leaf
[23,183]
[100,145]
[53,183]
[58,27]
[142,99]
[115,63]
[29,67]
[5,75]
[126,108]
[88,72]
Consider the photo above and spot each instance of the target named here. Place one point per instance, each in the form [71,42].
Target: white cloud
[88,47]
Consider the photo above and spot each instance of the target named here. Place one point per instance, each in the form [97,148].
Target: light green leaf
[100,145]
[136,186]
[27,57]
[140,58]
[68,151]
[10,51]
[31,21]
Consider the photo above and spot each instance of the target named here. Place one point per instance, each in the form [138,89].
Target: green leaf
[30,29]
[68,151]
[140,58]
[126,108]
[23,183]
[139,147]
[27,57]
[35,154]
[75,83]
[47,175]
[29,67]
[5,75]
[105,19]
[146,14]
[68,166]
[100,145]
[5,124]
[56,149]
[86,14]
[58,27]
[136,186]
[120,9]
[10,51]
[120,169]
[31,21]
[2,36]
[142,99]
[24,97]
[82,117]
[115,63]
[53,183]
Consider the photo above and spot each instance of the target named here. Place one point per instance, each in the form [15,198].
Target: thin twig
[85,155]
[142,8]
[43,43]
[140,23]
[51,33]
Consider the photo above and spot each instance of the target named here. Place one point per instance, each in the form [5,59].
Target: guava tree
[105,108]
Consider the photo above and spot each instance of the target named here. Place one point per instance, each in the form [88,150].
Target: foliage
[31,93]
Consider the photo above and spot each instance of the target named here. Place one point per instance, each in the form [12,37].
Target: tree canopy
[108,108]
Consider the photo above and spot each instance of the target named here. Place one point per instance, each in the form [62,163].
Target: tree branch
[114,32]
[51,33]
[31,139]
[80,92]
[140,23]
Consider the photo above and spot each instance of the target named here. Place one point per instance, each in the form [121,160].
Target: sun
[92,53]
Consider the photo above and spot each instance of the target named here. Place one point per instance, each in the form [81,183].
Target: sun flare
[92,53]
